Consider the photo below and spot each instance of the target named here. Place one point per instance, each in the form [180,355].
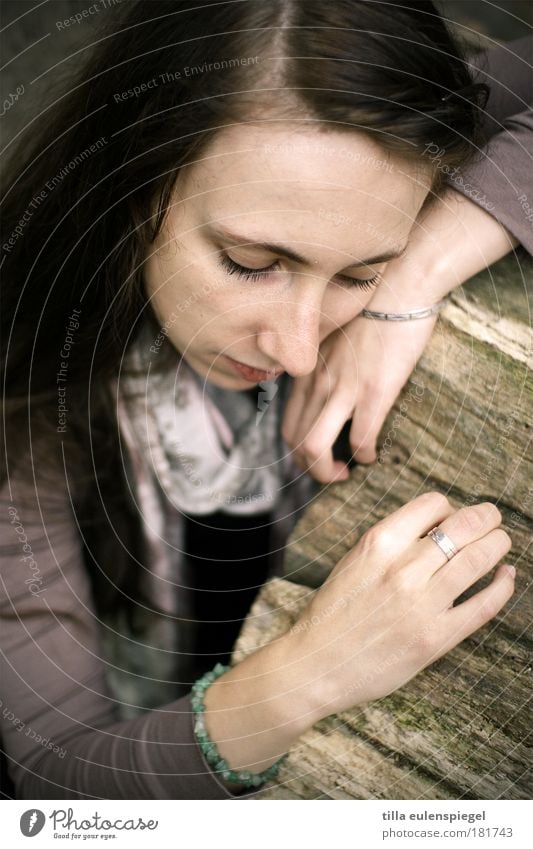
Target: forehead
[303,181]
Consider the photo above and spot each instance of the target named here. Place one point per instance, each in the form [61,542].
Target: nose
[292,337]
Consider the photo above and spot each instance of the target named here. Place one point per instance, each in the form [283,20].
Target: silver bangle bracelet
[423,312]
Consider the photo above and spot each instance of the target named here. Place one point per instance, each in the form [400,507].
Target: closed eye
[233,267]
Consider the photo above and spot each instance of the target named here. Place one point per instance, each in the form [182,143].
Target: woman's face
[308,215]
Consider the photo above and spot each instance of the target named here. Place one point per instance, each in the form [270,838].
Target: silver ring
[443,541]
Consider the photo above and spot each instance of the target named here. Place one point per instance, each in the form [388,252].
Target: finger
[401,529]
[463,527]
[370,413]
[336,470]
[472,614]
[318,396]
[467,567]
[317,446]
[327,470]
[294,406]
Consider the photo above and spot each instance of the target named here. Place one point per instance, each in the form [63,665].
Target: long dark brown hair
[85,195]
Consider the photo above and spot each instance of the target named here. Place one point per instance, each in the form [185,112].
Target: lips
[254,375]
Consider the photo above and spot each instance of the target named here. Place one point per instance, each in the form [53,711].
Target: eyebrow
[283,250]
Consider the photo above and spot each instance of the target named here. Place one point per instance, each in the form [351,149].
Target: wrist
[465,239]
[260,707]
[452,240]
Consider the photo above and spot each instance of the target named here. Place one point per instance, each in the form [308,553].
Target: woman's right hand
[384,613]
[386,610]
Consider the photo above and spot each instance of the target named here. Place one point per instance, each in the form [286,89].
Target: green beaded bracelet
[242,776]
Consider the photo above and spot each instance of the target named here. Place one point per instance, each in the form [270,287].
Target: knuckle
[470,519]
[403,581]
[345,394]
[495,599]
[380,538]
[368,541]
[491,512]
[311,450]
[443,641]
[437,500]
[319,475]
[286,434]
[505,542]
[300,462]
[475,558]
[490,606]
[427,641]
[323,382]
[481,516]
[509,592]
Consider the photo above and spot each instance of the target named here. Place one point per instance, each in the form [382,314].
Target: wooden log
[462,425]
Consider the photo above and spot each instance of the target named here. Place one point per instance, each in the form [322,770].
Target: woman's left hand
[361,370]
[363,365]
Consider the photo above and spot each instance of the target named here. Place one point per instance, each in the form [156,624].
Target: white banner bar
[267,824]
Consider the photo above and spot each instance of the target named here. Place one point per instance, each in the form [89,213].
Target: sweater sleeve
[59,725]
[501,178]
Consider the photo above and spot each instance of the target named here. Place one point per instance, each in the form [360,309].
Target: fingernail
[511,570]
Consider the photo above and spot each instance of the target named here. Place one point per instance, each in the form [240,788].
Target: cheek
[174,290]
[215,311]
[231,302]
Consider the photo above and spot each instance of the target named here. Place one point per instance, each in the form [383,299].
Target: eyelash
[233,267]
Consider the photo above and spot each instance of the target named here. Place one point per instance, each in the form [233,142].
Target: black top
[226,564]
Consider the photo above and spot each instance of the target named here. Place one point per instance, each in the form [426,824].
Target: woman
[210,206]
